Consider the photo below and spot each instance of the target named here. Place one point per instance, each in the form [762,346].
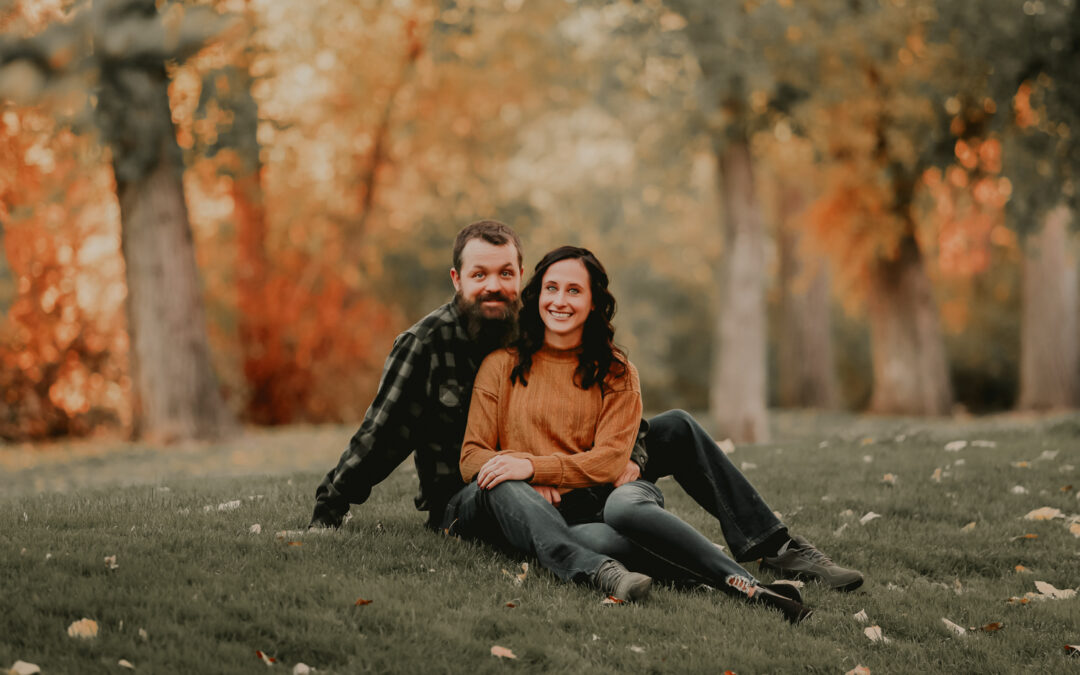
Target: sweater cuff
[546,470]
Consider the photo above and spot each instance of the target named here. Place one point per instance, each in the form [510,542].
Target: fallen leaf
[847,513]
[1049,454]
[1066,488]
[520,579]
[110,562]
[360,602]
[1045,513]
[301,669]
[1021,465]
[84,628]
[868,458]
[960,462]
[255,529]
[27,668]
[959,630]
[611,600]
[143,634]
[955,446]
[983,444]
[958,587]
[510,605]
[1022,569]
[991,627]
[866,441]
[748,466]
[124,663]
[268,660]
[969,527]
[1075,529]
[296,543]
[840,530]
[1019,490]
[595,637]
[502,652]
[1054,593]
[727,446]
[861,616]
[637,650]
[889,479]
[1029,535]
[870,515]
[875,634]
[229,506]
[858,670]
[1072,650]
[936,476]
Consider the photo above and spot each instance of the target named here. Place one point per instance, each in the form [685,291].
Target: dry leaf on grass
[502,652]
[301,669]
[637,650]
[858,670]
[1045,513]
[110,562]
[519,578]
[1019,490]
[861,616]
[983,444]
[992,627]
[611,600]
[1049,454]
[124,663]
[875,634]
[1022,569]
[955,446]
[84,628]
[510,605]
[969,527]
[870,515]
[889,479]
[936,476]
[959,630]
[1021,465]
[1029,535]
[27,668]
[1054,593]
[1066,488]
[255,529]
[957,587]
[268,660]
[143,635]
[1075,529]
[360,602]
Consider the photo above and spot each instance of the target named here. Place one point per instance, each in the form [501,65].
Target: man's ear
[454,278]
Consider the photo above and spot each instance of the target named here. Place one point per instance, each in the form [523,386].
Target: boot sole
[806,576]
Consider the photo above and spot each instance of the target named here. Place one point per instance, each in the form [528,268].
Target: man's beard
[490,332]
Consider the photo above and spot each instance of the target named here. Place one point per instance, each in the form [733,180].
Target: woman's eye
[574,291]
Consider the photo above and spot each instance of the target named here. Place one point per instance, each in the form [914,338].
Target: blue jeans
[513,514]
[679,447]
[638,532]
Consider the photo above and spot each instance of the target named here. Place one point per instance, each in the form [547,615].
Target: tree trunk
[910,372]
[738,385]
[1049,353]
[806,371]
[175,389]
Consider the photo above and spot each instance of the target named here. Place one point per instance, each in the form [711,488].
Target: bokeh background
[221,213]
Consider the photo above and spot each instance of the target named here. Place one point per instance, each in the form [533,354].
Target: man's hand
[502,468]
[549,493]
[630,474]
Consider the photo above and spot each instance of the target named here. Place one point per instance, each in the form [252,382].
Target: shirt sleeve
[616,432]
[482,431]
[384,439]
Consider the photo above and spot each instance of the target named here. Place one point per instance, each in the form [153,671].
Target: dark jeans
[679,447]
[639,533]
[513,513]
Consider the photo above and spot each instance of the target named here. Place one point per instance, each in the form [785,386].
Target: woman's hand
[630,474]
[501,468]
[549,493]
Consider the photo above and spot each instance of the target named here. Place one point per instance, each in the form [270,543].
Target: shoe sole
[806,576]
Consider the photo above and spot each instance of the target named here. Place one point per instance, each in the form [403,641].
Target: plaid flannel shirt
[421,407]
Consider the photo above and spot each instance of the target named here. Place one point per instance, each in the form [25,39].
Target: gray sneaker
[803,559]
[620,583]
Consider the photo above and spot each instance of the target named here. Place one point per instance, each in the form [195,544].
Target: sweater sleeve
[482,431]
[616,432]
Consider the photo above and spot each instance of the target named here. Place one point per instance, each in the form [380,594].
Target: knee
[626,503]
[674,422]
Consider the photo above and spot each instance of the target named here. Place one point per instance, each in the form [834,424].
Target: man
[422,406]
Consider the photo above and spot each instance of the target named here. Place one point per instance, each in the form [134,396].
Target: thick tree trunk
[910,372]
[1049,353]
[806,370]
[737,396]
[176,391]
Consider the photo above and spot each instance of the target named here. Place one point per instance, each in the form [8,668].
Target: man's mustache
[495,295]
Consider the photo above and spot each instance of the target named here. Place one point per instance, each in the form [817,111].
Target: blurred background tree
[813,204]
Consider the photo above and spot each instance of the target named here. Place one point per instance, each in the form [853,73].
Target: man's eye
[507,274]
[478,275]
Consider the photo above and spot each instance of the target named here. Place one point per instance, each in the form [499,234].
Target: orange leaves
[502,652]
[360,602]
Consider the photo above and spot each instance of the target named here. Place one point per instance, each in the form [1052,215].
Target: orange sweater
[573,437]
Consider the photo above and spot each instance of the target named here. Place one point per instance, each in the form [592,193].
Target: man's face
[490,279]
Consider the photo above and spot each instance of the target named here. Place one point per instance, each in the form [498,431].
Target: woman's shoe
[792,609]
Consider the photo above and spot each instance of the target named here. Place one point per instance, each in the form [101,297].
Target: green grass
[209,594]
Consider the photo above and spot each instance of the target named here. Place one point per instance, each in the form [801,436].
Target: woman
[560,411]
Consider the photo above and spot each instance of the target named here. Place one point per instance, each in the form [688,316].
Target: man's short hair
[491,231]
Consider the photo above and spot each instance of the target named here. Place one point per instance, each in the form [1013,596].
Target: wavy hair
[599,357]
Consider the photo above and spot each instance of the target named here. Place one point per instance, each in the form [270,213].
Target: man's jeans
[679,447]
[638,532]
[514,513]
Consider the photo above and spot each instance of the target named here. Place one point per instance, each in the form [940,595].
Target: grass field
[195,590]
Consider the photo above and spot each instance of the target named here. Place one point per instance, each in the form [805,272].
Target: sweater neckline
[553,354]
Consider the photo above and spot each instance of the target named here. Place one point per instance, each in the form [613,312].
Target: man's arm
[383,440]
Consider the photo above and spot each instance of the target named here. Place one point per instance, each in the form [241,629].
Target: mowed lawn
[196,587]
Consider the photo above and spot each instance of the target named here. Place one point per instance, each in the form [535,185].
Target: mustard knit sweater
[574,437]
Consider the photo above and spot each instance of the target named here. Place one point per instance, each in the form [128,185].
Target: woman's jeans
[638,532]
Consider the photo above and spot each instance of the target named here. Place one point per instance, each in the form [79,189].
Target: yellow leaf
[969,527]
[1075,529]
[858,670]
[1045,513]
[502,652]
[992,627]
[84,628]
[1022,569]
[936,476]
[889,479]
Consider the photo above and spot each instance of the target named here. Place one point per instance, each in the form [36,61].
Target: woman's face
[565,303]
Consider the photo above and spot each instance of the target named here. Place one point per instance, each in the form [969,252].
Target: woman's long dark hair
[599,357]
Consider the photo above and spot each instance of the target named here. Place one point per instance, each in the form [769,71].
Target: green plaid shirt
[421,407]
